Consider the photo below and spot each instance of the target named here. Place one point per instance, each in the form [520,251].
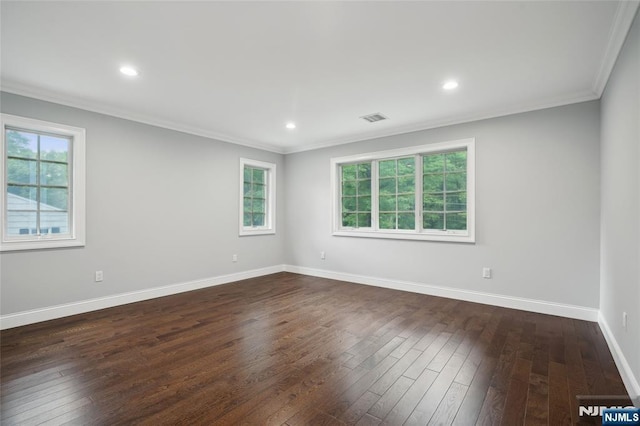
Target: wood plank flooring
[289,349]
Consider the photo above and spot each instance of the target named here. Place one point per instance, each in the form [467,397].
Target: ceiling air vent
[372,118]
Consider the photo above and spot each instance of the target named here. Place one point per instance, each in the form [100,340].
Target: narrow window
[397,193]
[356,195]
[445,191]
[257,195]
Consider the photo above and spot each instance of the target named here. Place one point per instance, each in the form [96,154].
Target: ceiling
[239,71]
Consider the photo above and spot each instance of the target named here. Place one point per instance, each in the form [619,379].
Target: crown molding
[74,102]
[28,91]
[622,21]
[450,121]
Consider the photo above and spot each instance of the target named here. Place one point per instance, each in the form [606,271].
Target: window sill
[249,232]
[8,246]
[408,235]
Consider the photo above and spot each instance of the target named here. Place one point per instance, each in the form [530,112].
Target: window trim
[270,208]
[467,236]
[76,237]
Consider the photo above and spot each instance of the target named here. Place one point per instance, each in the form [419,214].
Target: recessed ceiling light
[450,85]
[130,71]
[291,125]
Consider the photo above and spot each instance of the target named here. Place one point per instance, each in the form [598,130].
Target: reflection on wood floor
[296,350]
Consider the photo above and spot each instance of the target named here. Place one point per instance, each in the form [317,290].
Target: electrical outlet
[486,272]
[234,258]
[99,276]
[322,256]
[625,321]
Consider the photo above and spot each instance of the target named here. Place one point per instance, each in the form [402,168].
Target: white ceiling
[238,71]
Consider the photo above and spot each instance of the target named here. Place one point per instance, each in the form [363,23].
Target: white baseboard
[532,305]
[59,311]
[540,306]
[630,381]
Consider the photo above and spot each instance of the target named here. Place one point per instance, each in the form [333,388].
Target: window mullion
[70,186]
[337,209]
[251,191]
[418,189]
[444,192]
[263,201]
[253,197]
[5,185]
[396,195]
[38,188]
[375,208]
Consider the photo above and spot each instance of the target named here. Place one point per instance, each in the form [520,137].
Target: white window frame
[76,236]
[463,236]
[270,208]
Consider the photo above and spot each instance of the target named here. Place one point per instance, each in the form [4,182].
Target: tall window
[423,192]
[42,184]
[445,190]
[397,193]
[356,195]
[257,197]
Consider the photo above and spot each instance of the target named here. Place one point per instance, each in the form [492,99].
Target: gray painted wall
[620,253]
[537,211]
[162,208]
[176,221]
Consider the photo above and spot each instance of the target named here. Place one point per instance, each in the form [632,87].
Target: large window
[257,197]
[42,173]
[425,192]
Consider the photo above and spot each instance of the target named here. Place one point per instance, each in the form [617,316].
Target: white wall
[162,208]
[620,210]
[537,211]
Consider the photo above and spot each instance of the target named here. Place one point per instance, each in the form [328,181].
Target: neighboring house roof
[16,202]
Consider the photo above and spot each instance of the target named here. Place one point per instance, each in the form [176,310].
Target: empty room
[320,213]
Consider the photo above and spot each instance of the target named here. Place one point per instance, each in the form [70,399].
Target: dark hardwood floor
[297,350]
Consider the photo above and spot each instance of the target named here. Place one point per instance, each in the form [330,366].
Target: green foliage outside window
[396,188]
[255,197]
[444,191]
[356,195]
[28,153]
